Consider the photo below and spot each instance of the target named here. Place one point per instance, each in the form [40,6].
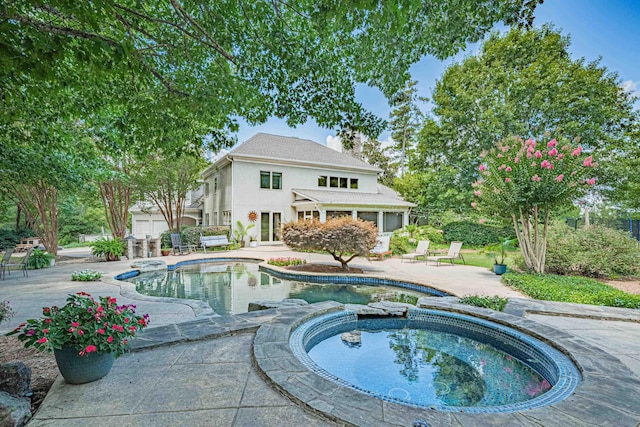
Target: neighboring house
[146,218]
[272,179]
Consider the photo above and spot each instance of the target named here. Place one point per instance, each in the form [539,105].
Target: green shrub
[111,249]
[431,234]
[9,238]
[494,303]
[593,252]
[582,290]
[475,234]
[216,230]
[283,262]
[400,244]
[39,259]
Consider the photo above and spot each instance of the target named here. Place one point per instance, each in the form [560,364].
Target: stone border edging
[599,400]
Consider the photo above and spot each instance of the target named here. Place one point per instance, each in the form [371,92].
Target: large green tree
[523,83]
[404,121]
[230,58]
[165,181]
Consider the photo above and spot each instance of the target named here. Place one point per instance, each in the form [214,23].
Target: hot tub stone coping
[347,406]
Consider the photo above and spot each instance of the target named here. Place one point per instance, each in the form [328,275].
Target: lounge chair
[454,252]
[177,246]
[382,248]
[22,264]
[421,251]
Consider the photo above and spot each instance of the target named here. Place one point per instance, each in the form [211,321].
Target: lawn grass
[582,290]
[495,303]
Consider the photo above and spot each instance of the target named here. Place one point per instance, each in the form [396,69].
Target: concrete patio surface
[188,369]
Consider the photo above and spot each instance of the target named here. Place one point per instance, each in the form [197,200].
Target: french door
[270,226]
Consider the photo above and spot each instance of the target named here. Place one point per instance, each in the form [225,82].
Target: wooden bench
[214,241]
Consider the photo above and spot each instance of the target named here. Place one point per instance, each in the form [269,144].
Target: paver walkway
[211,381]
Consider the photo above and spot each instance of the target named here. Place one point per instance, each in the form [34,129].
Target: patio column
[380,221]
[405,218]
[354,214]
[323,215]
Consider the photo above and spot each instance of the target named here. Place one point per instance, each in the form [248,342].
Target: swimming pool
[435,359]
[230,285]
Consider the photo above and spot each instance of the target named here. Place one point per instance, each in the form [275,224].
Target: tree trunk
[532,239]
[116,198]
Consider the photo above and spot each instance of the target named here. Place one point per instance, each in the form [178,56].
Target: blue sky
[609,29]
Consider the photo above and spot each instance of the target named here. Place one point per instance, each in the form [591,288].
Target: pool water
[229,287]
[427,368]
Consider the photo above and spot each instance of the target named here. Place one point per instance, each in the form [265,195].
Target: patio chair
[22,264]
[177,246]
[454,252]
[6,258]
[382,248]
[421,251]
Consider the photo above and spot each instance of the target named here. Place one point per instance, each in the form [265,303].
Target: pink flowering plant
[84,323]
[523,181]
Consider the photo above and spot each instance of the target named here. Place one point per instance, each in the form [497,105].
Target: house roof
[384,197]
[284,148]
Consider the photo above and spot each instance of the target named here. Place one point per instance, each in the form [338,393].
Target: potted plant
[111,249]
[40,259]
[253,241]
[498,252]
[86,335]
[240,233]
[165,250]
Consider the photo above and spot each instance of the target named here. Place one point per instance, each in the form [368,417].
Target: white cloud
[334,142]
[631,87]
[387,142]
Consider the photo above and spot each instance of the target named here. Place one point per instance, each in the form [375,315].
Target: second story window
[215,184]
[272,180]
[322,181]
[353,183]
[206,189]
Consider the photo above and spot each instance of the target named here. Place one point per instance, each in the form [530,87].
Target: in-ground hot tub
[436,359]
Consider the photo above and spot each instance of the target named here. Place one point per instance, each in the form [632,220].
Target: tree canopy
[227,59]
[523,83]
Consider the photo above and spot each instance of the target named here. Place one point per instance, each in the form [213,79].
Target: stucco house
[271,179]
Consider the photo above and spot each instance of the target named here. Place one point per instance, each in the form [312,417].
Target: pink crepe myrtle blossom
[560,156]
[552,143]
[481,220]
[591,181]
[501,167]
[560,177]
[516,160]
[482,168]
[553,152]
[536,178]
[507,180]
[537,154]
[474,204]
[477,193]
[499,155]
[546,164]
[576,152]
[529,155]
[42,340]
[530,142]
[533,164]
[588,161]
[508,169]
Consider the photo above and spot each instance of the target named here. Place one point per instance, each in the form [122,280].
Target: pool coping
[600,398]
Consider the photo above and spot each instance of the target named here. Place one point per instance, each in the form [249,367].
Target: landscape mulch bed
[323,268]
[43,366]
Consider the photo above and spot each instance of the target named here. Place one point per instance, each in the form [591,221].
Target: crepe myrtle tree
[523,181]
[344,238]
